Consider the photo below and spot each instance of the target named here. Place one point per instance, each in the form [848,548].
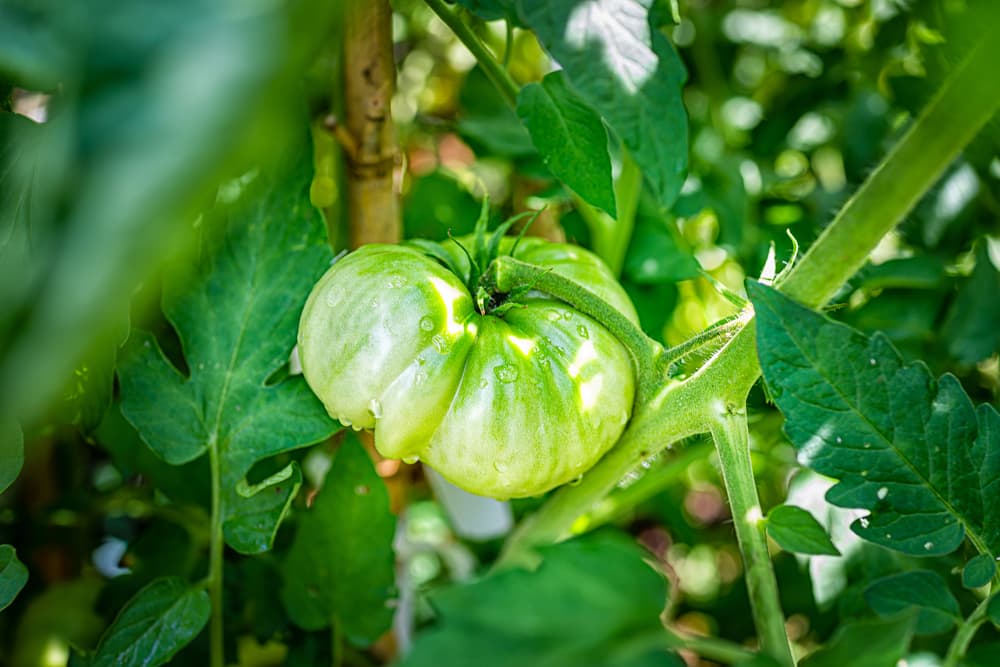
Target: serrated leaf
[159,621]
[879,642]
[560,615]
[914,452]
[978,571]
[13,575]
[11,451]
[236,315]
[923,590]
[627,72]
[570,138]
[796,530]
[341,565]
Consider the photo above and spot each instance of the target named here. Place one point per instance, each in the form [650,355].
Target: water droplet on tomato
[500,466]
[553,315]
[576,480]
[375,408]
[345,421]
[411,459]
[427,323]
[882,492]
[484,383]
[439,343]
[928,545]
[582,330]
[396,281]
[506,373]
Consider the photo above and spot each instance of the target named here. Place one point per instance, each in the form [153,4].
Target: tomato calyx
[485,250]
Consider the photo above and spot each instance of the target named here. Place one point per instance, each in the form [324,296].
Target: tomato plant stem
[966,631]
[713,648]
[509,273]
[215,574]
[496,73]
[732,442]
[966,101]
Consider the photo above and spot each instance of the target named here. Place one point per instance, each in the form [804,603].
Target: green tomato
[507,405]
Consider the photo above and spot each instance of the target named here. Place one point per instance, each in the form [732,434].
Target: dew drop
[864,473]
[868,445]
[872,362]
[375,408]
[864,522]
[500,466]
[888,536]
[484,383]
[396,281]
[427,323]
[411,459]
[582,330]
[345,421]
[439,343]
[553,315]
[840,440]
[201,367]
[882,492]
[506,373]
[356,427]
[361,490]
[928,546]
[576,480]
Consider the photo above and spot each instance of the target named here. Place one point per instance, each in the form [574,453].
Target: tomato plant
[571,332]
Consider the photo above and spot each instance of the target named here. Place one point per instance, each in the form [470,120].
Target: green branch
[966,631]
[732,442]
[712,648]
[494,71]
[216,546]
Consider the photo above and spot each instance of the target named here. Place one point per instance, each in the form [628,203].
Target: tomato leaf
[978,571]
[13,575]
[559,615]
[341,565]
[885,641]
[570,138]
[627,71]
[972,327]
[11,451]
[159,621]
[923,590]
[237,316]
[796,530]
[912,450]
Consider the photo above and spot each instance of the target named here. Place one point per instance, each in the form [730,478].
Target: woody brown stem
[369,80]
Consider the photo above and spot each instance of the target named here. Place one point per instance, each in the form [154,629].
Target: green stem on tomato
[966,101]
[507,273]
[732,442]
[216,545]
[493,70]
[966,631]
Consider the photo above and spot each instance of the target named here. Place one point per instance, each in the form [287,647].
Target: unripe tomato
[505,403]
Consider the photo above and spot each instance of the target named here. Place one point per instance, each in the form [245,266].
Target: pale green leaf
[796,530]
[13,575]
[911,450]
[570,138]
[160,620]
[340,568]
[922,590]
[237,315]
[625,70]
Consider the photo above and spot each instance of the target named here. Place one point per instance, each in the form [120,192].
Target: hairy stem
[493,70]
[966,631]
[215,564]
[508,273]
[966,101]
[732,442]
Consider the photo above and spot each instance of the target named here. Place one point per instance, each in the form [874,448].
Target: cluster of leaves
[681,163]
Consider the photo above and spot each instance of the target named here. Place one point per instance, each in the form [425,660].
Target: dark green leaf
[11,451]
[795,530]
[878,642]
[914,452]
[340,566]
[972,327]
[159,621]
[628,72]
[570,138]
[923,590]
[237,316]
[993,610]
[978,571]
[13,575]
[560,615]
